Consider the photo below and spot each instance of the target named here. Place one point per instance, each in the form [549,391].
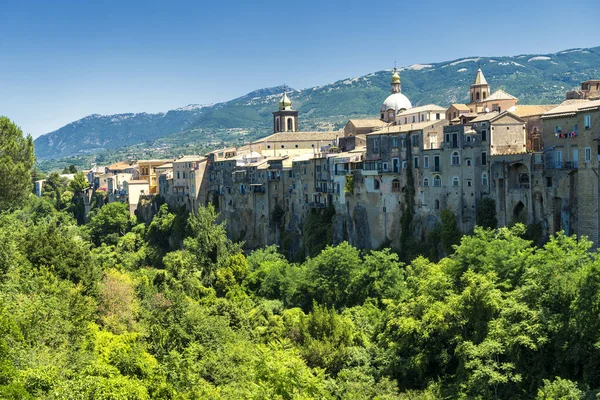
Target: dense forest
[108,307]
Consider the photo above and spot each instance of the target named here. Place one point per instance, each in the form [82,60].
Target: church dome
[397,102]
[285,103]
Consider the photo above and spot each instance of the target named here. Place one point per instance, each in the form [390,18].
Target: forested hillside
[533,78]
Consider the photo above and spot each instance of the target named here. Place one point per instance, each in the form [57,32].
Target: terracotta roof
[460,107]
[119,166]
[408,127]
[530,110]
[301,136]
[367,123]
[500,95]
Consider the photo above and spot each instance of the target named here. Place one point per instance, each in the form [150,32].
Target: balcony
[316,204]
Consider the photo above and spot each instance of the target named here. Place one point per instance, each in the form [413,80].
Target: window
[178,177]
[422,117]
[436,163]
[405,120]
[455,181]
[376,184]
[414,118]
[375,145]
[484,158]
[415,140]
[558,158]
[587,121]
[437,204]
[483,135]
[484,180]
[455,159]
[437,116]
[437,180]
[385,166]
[426,162]
[403,164]
[416,162]
[395,185]
[469,183]
[469,162]
[391,115]
[548,181]
[468,139]
[395,142]
[289,124]
[426,182]
[477,96]
[395,165]
[588,154]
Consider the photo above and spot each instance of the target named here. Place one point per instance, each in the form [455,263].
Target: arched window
[484,95]
[376,184]
[484,179]
[290,124]
[455,158]
[425,181]
[455,181]
[469,163]
[453,114]
[278,125]
[437,180]
[477,96]
[391,115]
[395,185]
[437,204]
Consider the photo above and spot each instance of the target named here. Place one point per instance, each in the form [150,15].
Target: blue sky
[63,60]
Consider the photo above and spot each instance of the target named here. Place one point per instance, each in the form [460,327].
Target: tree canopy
[16,163]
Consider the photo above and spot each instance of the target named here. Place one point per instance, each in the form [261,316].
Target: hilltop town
[393,173]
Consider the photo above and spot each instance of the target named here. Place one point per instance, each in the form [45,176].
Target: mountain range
[533,78]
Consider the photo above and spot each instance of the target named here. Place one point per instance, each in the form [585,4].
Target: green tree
[486,213]
[450,234]
[109,223]
[79,183]
[16,163]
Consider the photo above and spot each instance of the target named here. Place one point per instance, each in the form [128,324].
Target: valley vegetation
[114,308]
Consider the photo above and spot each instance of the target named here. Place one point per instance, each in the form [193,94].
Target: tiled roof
[529,110]
[500,95]
[119,166]
[486,116]
[460,107]
[570,107]
[301,136]
[367,123]
[190,158]
[408,127]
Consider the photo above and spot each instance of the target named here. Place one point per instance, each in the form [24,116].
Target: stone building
[538,163]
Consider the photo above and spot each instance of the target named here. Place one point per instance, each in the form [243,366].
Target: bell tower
[479,92]
[285,119]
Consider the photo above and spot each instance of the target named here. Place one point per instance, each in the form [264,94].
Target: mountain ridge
[533,78]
